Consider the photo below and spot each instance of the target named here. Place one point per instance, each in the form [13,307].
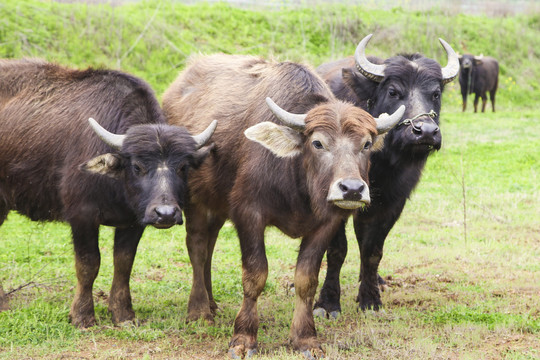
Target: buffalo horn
[450,71]
[479,57]
[203,137]
[386,122]
[109,138]
[370,70]
[295,121]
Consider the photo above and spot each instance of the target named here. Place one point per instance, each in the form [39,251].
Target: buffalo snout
[164,216]
[349,193]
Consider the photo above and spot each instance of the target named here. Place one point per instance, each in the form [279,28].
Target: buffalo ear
[281,140]
[201,154]
[106,164]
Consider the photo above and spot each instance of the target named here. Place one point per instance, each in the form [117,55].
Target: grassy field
[462,263]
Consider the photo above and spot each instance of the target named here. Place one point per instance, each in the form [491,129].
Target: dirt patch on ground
[3,300]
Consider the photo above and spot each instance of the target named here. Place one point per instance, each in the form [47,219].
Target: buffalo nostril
[352,189]
[166,211]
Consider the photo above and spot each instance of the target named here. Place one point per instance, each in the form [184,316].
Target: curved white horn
[109,138]
[386,122]
[295,121]
[450,71]
[202,138]
[370,70]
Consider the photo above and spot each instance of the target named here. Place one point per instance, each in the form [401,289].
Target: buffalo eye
[393,93]
[368,145]
[138,169]
[436,95]
[317,144]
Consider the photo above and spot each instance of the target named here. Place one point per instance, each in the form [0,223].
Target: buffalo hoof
[239,352]
[321,312]
[82,322]
[313,354]
[207,317]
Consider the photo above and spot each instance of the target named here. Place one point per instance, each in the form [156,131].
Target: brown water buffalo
[52,165]
[478,75]
[303,170]
[381,86]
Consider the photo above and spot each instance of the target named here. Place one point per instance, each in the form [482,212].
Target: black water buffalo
[303,173]
[381,86]
[478,75]
[52,165]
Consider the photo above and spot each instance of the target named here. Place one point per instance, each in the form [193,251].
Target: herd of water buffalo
[237,137]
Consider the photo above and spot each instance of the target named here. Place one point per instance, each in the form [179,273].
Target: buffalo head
[335,140]
[414,81]
[152,162]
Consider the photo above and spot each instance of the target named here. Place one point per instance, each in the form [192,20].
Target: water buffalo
[303,171]
[382,86]
[53,166]
[478,75]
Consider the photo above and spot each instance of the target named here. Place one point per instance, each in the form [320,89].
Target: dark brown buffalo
[304,177]
[52,165]
[478,75]
[380,86]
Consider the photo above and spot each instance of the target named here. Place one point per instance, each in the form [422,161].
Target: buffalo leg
[202,230]
[126,241]
[464,97]
[254,275]
[484,102]
[213,228]
[492,98]
[329,297]
[371,235]
[87,261]
[303,335]
[476,97]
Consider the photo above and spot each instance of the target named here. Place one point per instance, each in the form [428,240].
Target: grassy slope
[448,298]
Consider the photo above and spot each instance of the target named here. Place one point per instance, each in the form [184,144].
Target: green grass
[453,292]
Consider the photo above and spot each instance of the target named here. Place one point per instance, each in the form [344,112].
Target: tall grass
[153,39]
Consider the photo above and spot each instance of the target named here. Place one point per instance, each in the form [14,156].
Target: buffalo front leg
[126,241]
[371,234]
[254,275]
[87,261]
[328,303]
[303,335]
[202,230]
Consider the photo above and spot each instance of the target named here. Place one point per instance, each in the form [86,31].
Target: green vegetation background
[153,39]
[451,296]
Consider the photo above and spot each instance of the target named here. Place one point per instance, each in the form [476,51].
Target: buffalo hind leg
[87,261]
[202,230]
[328,303]
[492,98]
[126,241]
[254,274]
[476,97]
[484,102]
[214,227]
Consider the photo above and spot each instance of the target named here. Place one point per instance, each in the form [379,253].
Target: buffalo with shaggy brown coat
[304,177]
[52,165]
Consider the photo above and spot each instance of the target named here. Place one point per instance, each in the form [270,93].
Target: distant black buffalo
[478,75]
[52,165]
[381,86]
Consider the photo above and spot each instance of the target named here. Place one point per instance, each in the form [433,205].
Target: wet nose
[166,213]
[352,189]
[425,128]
